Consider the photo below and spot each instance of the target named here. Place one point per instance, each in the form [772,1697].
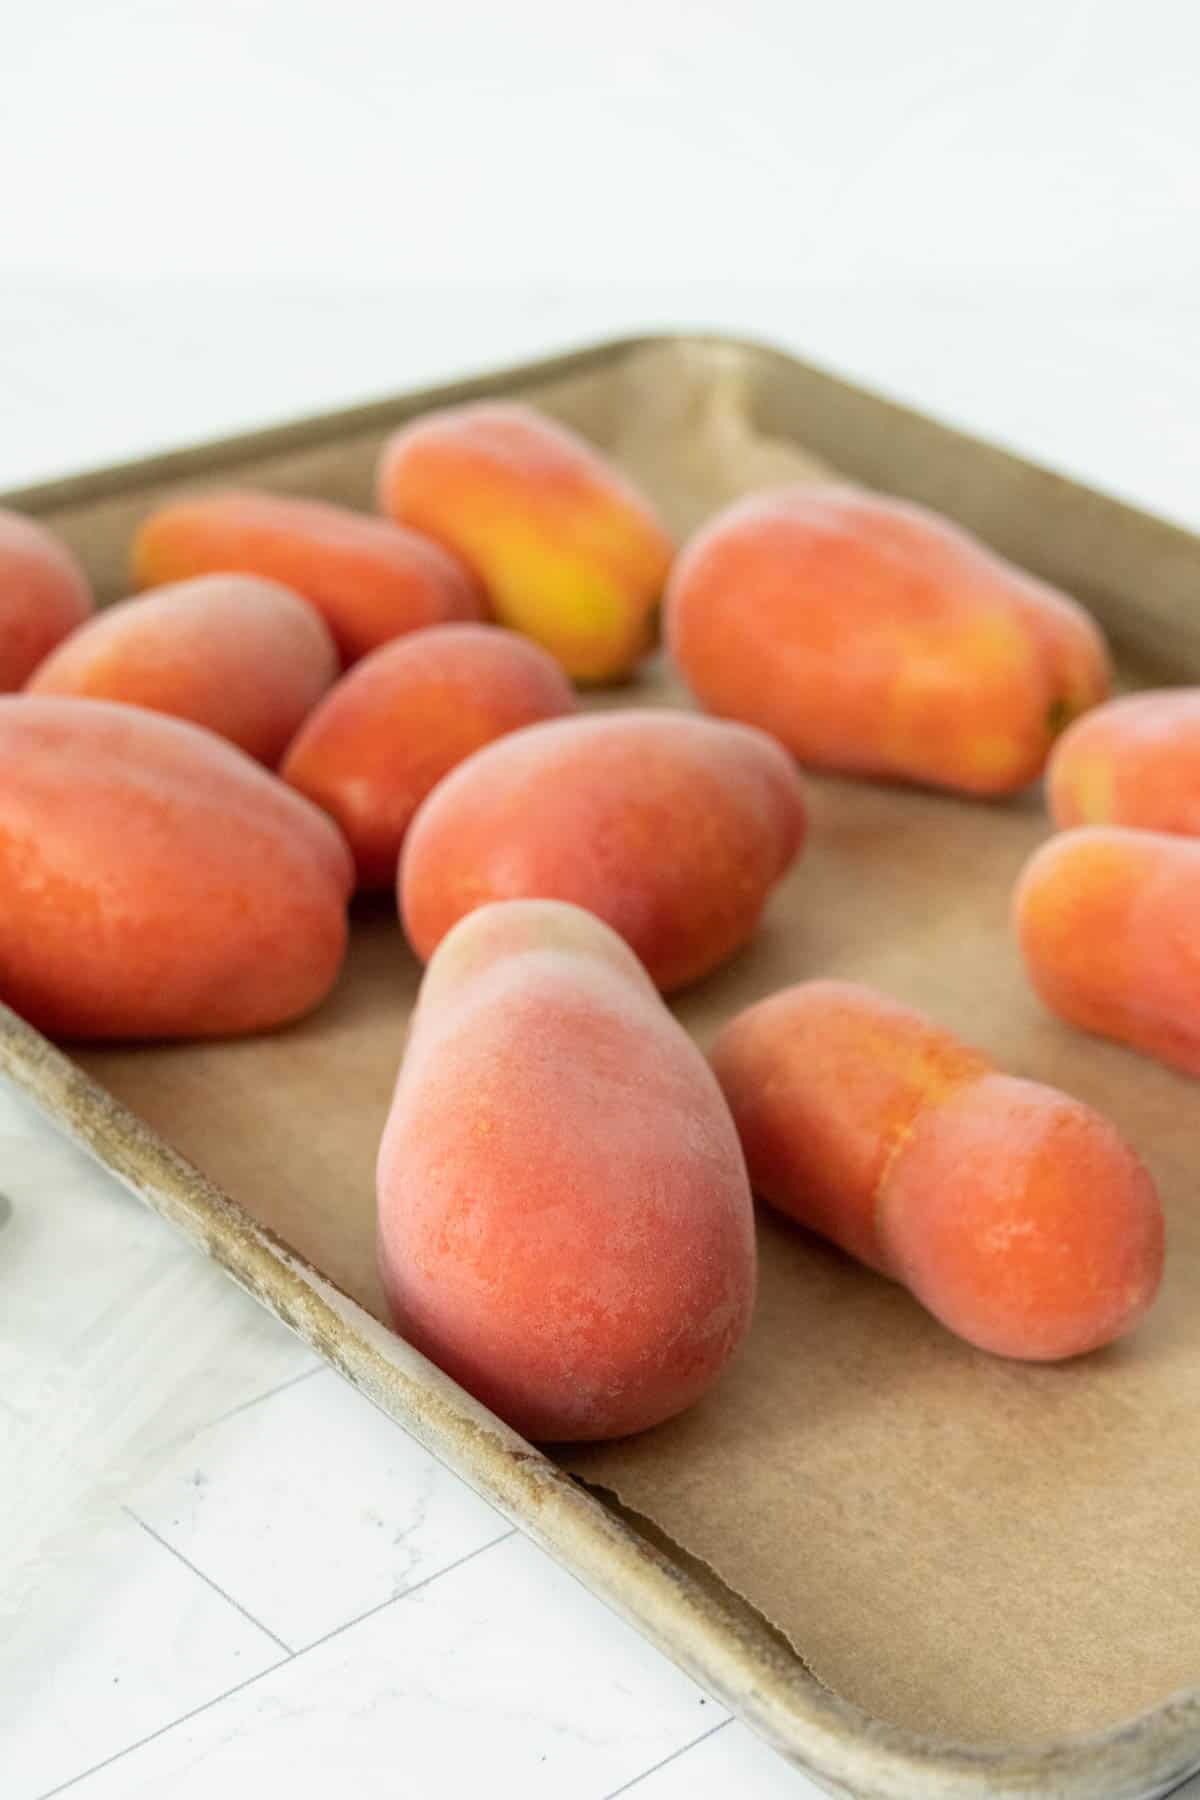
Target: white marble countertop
[221,1571]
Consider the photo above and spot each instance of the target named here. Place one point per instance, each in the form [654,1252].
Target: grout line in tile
[208,1581]
[321,1368]
[683,1749]
[291,1657]
[242,1406]
[404,1593]
[107,1761]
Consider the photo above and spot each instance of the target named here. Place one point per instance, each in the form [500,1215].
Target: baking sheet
[958,1545]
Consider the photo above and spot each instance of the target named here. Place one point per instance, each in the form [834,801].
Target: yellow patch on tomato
[1092,783]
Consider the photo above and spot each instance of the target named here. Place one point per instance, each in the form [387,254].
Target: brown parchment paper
[961,1545]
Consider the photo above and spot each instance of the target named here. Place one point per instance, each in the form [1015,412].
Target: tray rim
[767,1685]
[308,431]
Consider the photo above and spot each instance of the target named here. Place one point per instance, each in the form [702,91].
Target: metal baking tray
[698,419]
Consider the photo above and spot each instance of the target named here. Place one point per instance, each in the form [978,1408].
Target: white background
[216,215]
